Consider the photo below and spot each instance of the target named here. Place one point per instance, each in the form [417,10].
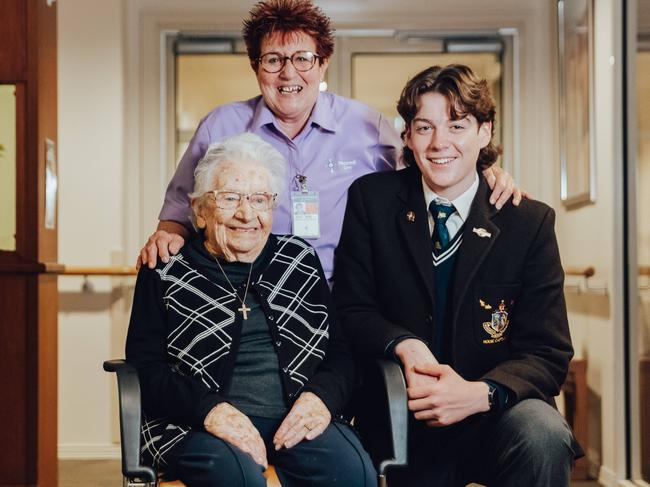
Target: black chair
[397,410]
[137,475]
[128,390]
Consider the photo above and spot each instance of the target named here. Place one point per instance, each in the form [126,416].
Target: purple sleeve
[389,148]
[177,203]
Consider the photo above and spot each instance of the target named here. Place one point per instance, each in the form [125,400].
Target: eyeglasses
[273,62]
[230,200]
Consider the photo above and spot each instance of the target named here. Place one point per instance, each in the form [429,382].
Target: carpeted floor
[107,473]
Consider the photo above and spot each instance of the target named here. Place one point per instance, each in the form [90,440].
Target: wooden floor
[106,473]
[95,473]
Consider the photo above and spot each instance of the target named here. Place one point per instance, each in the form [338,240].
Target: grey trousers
[528,445]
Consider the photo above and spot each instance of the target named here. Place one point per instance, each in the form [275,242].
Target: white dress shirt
[462,205]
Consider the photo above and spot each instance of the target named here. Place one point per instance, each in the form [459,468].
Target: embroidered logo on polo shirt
[340,165]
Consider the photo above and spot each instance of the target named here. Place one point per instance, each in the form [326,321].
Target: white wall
[110,152]
[91,121]
[591,236]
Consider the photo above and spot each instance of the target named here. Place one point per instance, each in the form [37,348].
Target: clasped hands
[437,395]
[306,420]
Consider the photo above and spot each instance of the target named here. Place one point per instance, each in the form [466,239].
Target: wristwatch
[493,396]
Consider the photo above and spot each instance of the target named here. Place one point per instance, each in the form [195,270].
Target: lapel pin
[410,217]
[481,232]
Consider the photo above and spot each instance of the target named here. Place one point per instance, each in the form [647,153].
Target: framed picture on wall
[577,154]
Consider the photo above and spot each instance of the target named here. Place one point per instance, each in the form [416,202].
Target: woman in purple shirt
[327,140]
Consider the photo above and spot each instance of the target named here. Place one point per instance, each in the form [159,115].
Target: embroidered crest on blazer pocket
[493,309]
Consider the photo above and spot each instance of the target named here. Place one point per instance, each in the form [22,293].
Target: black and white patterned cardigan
[185,329]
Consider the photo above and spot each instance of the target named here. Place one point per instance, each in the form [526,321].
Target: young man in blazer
[467,297]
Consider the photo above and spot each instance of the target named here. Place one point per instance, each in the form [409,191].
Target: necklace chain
[244,309]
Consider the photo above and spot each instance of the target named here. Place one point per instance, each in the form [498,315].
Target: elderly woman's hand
[307,419]
[230,424]
[503,187]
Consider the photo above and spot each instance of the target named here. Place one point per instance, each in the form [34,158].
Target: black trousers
[335,458]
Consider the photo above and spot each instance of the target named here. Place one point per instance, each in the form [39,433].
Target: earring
[322,86]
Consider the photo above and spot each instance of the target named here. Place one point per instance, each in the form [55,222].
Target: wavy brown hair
[466,93]
[287,18]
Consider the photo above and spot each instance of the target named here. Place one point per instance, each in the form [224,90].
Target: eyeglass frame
[242,196]
[290,58]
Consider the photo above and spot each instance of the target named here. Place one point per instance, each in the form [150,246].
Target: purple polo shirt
[343,140]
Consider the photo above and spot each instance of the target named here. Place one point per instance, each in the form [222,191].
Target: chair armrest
[128,389]
[393,378]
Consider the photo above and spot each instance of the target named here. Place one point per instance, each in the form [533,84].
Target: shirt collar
[462,203]
[321,115]
[263,115]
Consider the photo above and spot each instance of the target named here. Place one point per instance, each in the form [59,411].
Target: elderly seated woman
[240,358]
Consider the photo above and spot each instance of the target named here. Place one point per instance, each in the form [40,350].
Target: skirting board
[608,478]
[593,463]
[89,451]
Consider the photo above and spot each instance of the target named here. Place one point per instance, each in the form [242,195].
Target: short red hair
[287,18]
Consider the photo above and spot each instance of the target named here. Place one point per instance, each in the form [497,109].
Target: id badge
[305,214]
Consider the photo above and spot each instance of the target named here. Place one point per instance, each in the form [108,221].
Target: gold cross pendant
[244,310]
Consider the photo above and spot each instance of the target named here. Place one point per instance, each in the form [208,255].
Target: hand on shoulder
[503,187]
[167,239]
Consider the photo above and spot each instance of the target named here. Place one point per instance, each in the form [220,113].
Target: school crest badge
[498,325]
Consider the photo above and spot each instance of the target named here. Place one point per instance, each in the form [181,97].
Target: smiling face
[445,150]
[291,94]
[239,234]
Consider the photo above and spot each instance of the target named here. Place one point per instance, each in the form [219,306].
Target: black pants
[334,458]
[528,445]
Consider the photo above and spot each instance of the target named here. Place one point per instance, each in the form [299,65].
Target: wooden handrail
[587,271]
[99,271]
[53,267]
[644,270]
[580,271]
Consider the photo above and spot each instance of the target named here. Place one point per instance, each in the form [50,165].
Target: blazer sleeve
[355,285]
[540,343]
[334,379]
[165,392]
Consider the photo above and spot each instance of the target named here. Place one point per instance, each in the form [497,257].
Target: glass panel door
[8,167]
[378,78]
[205,81]
[365,67]
[374,68]
[642,329]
